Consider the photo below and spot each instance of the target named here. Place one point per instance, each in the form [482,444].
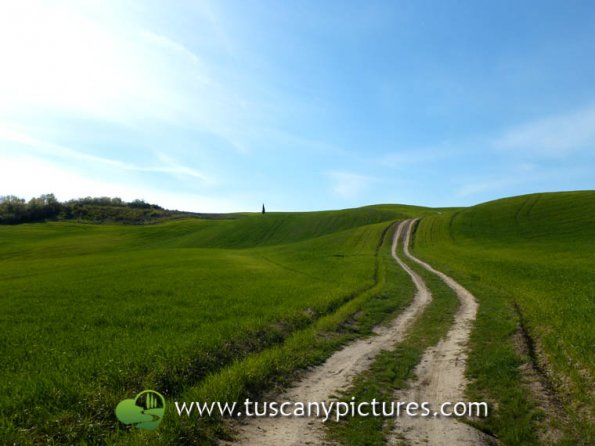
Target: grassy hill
[530,260]
[227,306]
[93,312]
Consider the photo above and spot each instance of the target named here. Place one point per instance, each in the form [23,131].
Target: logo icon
[145,411]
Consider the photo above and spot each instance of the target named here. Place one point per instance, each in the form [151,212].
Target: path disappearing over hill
[336,374]
[440,377]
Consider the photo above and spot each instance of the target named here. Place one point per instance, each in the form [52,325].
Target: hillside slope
[242,231]
[94,312]
[531,261]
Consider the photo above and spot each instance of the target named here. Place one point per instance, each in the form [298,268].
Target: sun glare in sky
[220,106]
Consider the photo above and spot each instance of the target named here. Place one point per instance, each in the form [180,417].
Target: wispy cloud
[553,136]
[28,176]
[349,185]
[514,175]
[171,166]
[62,59]
[167,43]
[412,157]
[529,176]
[488,185]
[54,150]
[225,96]
[167,164]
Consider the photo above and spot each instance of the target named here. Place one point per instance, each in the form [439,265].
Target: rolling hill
[531,262]
[90,311]
[223,308]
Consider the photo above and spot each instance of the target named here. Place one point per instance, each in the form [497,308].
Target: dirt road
[336,373]
[440,377]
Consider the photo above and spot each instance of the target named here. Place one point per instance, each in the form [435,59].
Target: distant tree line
[14,210]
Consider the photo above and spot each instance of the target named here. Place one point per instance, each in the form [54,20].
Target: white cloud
[56,59]
[489,184]
[520,177]
[66,58]
[421,156]
[169,44]
[518,174]
[171,166]
[167,164]
[11,134]
[349,185]
[27,176]
[552,136]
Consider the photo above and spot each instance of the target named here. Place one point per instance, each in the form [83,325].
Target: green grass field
[220,309]
[92,313]
[393,368]
[530,260]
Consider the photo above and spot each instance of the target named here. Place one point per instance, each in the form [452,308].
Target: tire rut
[440,377]
[337,373]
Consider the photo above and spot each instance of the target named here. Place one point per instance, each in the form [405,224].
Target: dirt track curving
[440,377]
[337,373]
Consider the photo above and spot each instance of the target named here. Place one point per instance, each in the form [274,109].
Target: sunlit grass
[95,313]
[537,251]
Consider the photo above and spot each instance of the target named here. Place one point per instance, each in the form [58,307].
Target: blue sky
[303,105]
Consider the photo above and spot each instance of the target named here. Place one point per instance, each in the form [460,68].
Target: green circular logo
[145,411]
